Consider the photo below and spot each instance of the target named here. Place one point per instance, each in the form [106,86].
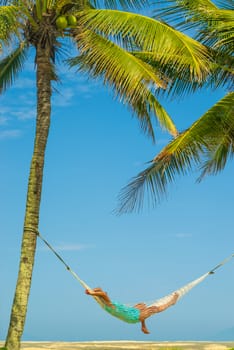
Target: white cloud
[21,107]
[81,84]
[66,247]
[24,114]
[10,134]
[69,247]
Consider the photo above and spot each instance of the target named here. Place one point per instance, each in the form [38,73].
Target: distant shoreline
[126,344]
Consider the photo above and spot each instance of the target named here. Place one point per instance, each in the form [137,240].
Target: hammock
[181,291]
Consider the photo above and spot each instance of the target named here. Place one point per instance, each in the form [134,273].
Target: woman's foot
[145,330]
[143,327]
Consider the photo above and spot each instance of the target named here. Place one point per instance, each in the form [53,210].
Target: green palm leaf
[217,30]
[8,22]
[163,117]
[187,11]
[179,84]
[154,36]
[220,137]
[208,143]
[133,80]
[125,4]
[11,65]
[215,24]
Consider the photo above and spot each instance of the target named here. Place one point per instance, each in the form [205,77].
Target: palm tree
[209,142]
[110,43]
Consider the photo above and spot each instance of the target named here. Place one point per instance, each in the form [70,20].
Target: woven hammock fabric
[181,291]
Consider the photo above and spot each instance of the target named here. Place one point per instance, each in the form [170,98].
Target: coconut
[61,22]
[72,21]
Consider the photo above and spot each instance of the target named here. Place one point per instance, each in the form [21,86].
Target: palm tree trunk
[31,221]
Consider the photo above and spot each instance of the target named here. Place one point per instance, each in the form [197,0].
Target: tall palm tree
[209,142]
[113,45]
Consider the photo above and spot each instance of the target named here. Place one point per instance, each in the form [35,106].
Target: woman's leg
[150,310]
[144,328]
[146,312]
[142,307]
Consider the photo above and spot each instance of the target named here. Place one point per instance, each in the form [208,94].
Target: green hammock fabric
[125,312]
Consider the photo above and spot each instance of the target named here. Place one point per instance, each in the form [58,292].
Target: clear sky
[95,147]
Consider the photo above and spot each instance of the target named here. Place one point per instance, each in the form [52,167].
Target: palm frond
[214,28]
[222,71]
[11,65]
[217,31]
[214,24]
[182,13]
[4,2]
[153,182]
[207,144]
[180,84]
[124,4]
[148,108]
[221,137]
[162,116]
[217,159]
[8,22]
[133,80]
[223,31]
[226,4]
[153,36]
[38,6]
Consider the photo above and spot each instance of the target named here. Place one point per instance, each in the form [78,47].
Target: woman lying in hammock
[138,313]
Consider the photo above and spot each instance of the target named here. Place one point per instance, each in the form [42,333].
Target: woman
[138,313]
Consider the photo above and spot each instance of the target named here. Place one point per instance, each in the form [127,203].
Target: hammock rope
[185,289]
[181,291]
[84,285]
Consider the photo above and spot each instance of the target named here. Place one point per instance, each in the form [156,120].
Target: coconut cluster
[63,22]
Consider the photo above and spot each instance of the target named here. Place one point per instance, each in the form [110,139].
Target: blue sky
[95,147]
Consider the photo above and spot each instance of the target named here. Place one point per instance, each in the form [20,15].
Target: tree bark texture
[31,220]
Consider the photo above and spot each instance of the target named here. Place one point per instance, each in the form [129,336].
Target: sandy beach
[124,345]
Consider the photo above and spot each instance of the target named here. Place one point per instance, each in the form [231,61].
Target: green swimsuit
[124,312]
